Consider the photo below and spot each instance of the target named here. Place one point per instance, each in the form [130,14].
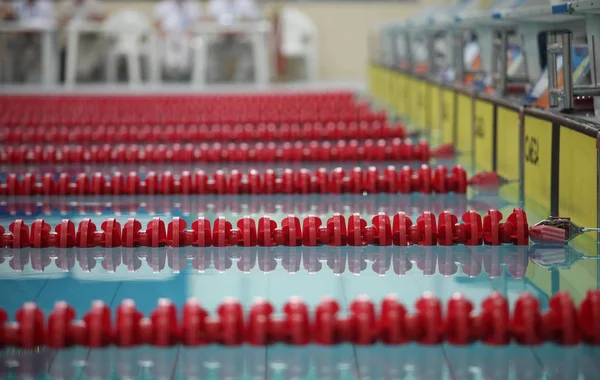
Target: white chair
[299,40]
[256,33]
[133,38]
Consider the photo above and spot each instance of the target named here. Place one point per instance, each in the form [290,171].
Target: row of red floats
[441,180]
[364,323]
[187,110]
[110,118]
[323,123]
[353,150]
[297,98]
[185,102]
[398,230]
[202,133]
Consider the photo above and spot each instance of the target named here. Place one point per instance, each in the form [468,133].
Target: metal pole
[459,58]
[395,53]
[495,64]
[567,71]
[502,61]
[592,26]
[552,71]
[430,53]
[408,51]
[593,61]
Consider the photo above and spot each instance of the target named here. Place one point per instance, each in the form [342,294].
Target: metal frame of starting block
[493,43]
[533,18]
[425,24]
[441,22]
[559,42]
[493,36]
[503,19]
[559,141]
[467,17]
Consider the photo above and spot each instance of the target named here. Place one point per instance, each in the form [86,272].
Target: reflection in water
[447,261]
[307,362]
[325,204]
[557,257]
[209,167]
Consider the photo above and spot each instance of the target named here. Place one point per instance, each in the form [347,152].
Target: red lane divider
[384,231]
[365,324]
[203,133]
[116,111]
[441,180]
[369,150]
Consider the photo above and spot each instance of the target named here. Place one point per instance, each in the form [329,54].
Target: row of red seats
[203,133]
[423,260]
[384,231]
[365,324]
[368,150]
[441,180]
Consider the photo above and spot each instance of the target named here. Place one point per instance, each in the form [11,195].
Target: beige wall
[343,29]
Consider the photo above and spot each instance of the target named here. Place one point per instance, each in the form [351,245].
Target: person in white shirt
[231,47]
[25,48]
[91,46]
[175,21]
[37,12]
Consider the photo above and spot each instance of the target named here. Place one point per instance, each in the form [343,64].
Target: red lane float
[353,150]
[202,133]
[364,324]
[441,180]
[247,232]
[188,110]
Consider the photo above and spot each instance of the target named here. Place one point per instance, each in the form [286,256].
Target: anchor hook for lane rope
[557,230]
